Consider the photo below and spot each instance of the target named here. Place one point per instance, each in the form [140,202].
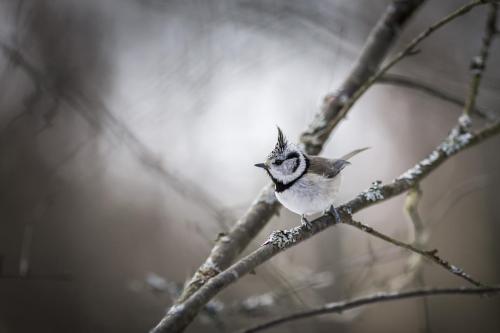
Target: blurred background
[128,134]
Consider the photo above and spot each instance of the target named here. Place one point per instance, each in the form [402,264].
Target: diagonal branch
[265,205]
[179,316]
[325,122]
[431,255]
[339,307]
[334,106]
[334,109]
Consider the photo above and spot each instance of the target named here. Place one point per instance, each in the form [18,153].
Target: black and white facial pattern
[286,163]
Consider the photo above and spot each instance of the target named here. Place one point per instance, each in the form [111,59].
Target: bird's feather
[325,167]
[329,168]
[354,152]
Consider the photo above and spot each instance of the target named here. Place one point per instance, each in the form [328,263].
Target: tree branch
[410,83]
[377,45]
[326,121]
[339,307]
[266,206]
[431,255]
[478,63]
[180,315]
[207,281]
[44,85]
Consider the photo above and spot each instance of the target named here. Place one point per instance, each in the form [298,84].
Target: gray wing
[328,168]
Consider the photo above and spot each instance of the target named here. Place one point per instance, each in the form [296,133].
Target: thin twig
[431,255]
[339,307]
[407,82]
[478,63]
[418,239]
[325,130]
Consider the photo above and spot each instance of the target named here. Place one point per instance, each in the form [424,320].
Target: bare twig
[431,255]
[339,307]
[327,121]
[418,240]
[411,83]
[378,43]
[478,63]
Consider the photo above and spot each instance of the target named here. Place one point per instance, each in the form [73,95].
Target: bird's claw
[332,211]
[305,223]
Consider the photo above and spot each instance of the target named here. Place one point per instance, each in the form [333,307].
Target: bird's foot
[305,223]
[332,211]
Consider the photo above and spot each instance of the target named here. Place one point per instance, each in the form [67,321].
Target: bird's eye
[278,162]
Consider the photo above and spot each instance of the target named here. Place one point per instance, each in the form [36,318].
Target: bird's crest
[280,145]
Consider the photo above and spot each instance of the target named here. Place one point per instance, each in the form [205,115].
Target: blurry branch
[453,196]
[431,255]
[39,81]
[412,201]
[24,260]
[19,60]
[420,237]
[325,122]
[147,158]
[44,200]
[335,106]
[180,315]
[402,81]
[477,66]
[25,274]
[265,304]
[183,186]
[63,277]
[478,63]
[419,241]
[339,307]
[265,205]
[417,238]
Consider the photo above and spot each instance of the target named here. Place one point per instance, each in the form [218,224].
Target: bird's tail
[354,152]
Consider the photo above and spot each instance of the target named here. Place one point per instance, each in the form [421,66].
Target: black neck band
[280,187]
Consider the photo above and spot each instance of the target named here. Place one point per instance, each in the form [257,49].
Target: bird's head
[286,162]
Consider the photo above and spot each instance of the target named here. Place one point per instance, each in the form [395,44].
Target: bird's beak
[261,165]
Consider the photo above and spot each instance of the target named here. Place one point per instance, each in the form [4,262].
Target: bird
[305,184]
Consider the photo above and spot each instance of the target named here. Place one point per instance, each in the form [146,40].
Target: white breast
[310,194]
